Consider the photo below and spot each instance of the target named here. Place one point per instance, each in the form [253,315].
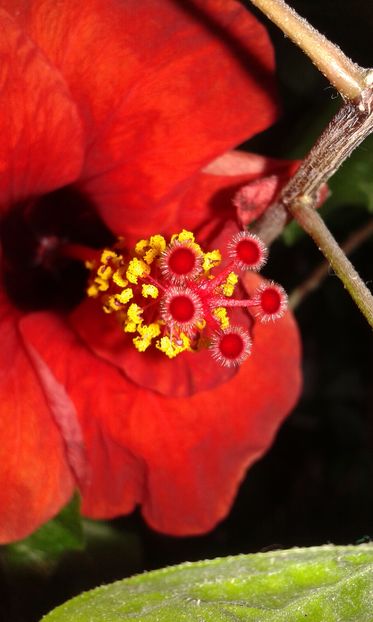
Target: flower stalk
[345,75]
[354,241]
[346,131]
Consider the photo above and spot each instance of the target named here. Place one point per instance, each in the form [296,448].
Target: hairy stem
[347,77]
[348,128]
[311,222]
[315,279]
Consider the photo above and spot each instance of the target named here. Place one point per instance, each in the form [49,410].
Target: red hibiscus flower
[114,116]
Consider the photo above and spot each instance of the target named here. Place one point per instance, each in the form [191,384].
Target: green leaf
[320,584]
[46,545]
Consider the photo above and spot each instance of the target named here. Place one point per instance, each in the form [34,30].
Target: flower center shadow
[37,274]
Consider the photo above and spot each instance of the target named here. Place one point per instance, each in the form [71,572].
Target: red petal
[163,87]
[35,479]
[183,459]
[180,377]
[40,130]
[206,204]
[116,475]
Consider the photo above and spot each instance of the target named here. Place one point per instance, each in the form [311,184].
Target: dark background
[315,484]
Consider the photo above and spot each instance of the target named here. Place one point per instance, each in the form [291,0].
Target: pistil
[168,294]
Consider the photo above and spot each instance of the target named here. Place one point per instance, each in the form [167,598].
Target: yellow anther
[141,246]
[129,327]
[147,333]
[211,259]
[124,296]
[111,304]
[157,245]
[118,278]
[173,348]
[107,255]
[229,285]
[141,344]
[104,272]
[150,255]
[149,330]
[90,264]
[137,268]
[196,247]
[93,291]
[183,236]
[134,313]
[149,290]
[201,324]
[222,316]
[101,284]
[157,242]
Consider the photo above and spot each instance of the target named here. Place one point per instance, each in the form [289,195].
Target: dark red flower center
[182,261]
[181,308]
[35,271]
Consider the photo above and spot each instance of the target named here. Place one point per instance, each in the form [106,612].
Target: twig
[345,132]
[323,270]
[349,127]
[347,77]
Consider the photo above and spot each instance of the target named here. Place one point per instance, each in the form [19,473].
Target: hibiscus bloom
[114,119]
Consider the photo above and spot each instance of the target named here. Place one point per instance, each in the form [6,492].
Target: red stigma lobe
[231,345]
[270,300]
[248,252]
[182,261]
[181,308]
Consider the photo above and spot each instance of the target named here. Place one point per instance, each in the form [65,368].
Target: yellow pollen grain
[93,291]
[183,236]
[158,243]
[222,316]
[137,268]
[134,313]
[111,304]
[102,284]
[230,283]
[140,343]
[107,255]
[150,255]
[149,290]
[105,272]
[211,259]
[196,247]
[129,326]
[171,348]
[147,332]
[124,296]
[141,246]
[118,278]
[116,302]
